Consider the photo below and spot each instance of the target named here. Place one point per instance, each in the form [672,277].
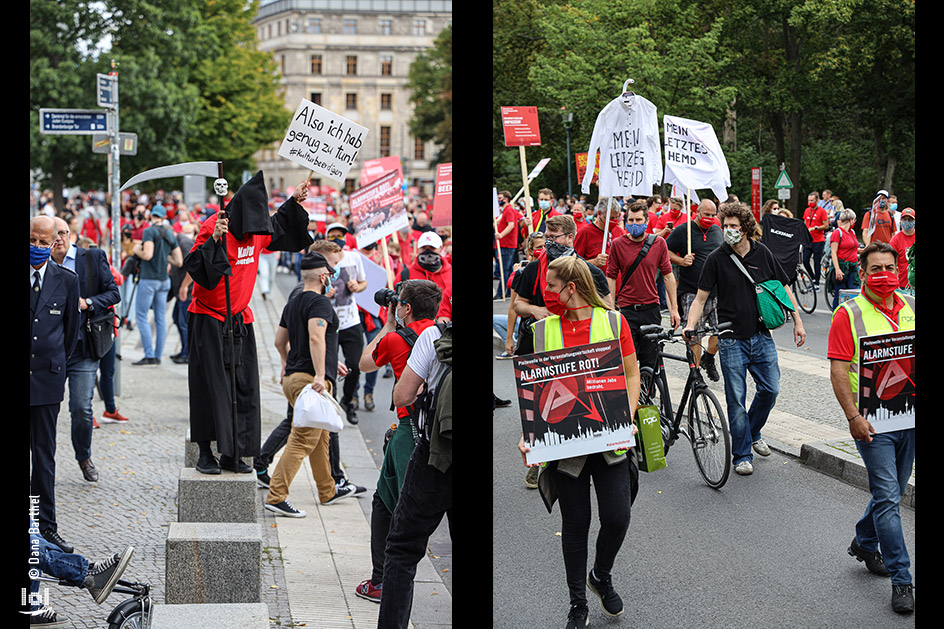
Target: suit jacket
[54,330]
[103,291]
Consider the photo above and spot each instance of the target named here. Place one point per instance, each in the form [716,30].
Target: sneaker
[761,447]
[103,575]
[903,598]
[369,401]
[504,356]
[744,468]
[369,591]
[349,411]
[708,364]
[357,488]
[53,537]
[95,423]
[873,560]
[113,418]
[285,508]
[263,480]
[147,361]
[531,478]
[579,616]
[388,372]
[610,601]
[46,616]
[341,491]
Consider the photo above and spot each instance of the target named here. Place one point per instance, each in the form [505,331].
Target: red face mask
[708,221]
[882,284]
[552,303]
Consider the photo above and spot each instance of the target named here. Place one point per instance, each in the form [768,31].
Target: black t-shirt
[784,236]
[737,301]
[299,309]
[526,283]
[704,241]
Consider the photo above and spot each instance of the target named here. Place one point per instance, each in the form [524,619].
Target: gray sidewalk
[310,566]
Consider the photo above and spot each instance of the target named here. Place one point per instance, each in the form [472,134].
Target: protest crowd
[566,261]
[329,343]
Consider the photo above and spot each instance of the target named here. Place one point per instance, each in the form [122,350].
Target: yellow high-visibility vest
[548,334]
[866,320]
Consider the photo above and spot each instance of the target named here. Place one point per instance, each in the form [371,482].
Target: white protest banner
[693,156]
[376,279]
[496,209]
[377,209]
[322,141]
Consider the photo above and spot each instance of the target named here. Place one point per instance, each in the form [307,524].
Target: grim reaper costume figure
[216,362]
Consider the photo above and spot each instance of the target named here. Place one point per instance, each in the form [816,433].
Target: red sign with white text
[520,125]
[442,200]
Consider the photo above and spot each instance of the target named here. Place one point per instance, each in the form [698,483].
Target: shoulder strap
[737,262]
[651,238]
[407,334]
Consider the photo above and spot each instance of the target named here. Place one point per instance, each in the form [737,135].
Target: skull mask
[220,186]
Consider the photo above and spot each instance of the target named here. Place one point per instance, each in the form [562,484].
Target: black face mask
[429,261]
[555,250]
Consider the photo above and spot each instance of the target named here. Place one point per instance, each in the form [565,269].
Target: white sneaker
[761,447]
[744,468]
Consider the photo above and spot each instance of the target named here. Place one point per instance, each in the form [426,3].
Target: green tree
[430,81]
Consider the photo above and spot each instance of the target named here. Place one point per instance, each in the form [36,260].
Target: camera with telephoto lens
[387,296]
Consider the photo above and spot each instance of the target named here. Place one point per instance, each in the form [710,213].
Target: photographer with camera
[411,308]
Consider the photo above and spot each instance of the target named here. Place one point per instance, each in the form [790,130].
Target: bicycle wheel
[654,391]
[711,440]
[805,292]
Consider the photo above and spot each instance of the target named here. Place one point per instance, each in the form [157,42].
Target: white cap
[429,239]
[881,193]
[335,226]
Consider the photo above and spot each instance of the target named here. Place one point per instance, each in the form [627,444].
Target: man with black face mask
[429,263]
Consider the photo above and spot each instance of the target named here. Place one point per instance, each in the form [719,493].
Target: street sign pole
[109,98]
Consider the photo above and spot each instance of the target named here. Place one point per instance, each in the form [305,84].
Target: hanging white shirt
[627,138]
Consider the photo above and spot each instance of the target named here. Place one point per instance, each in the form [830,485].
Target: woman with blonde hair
[580,317]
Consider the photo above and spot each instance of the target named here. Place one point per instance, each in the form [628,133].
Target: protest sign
[376,280]
[377,209]
[374,168]
[887,380]
[582,167]
[520,126]
[442,199]
[322,141]
[693,156]
[573,401]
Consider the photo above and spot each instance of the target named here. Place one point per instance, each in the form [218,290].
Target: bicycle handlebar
[655,332]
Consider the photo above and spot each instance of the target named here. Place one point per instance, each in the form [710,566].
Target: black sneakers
[343,491]
[262,479]
[579,616]
[708,364]
[903,598]
[610,601]
[873,561]
[229,463]
[103,575]
[53,537]
[47,617]
[207,464]
[286,509]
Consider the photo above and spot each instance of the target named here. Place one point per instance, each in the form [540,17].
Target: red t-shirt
[394,350]
[901,242]
[445,306]
[508,215]
[840,345]
[662,220]
[581,334]
[848,250]
[243,258]
[884,226]
[641,288]
[814,217]
[589,240]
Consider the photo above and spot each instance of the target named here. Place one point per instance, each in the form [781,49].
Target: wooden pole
[527,193]
[688,205]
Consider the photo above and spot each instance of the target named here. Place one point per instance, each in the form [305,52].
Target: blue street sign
[72,121]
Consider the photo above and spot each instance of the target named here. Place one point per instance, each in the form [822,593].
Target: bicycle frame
[692,383]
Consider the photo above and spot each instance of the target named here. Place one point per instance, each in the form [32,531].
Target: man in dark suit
[97,291]
[54,330]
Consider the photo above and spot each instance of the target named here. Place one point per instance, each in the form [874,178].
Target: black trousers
[647,352]
[613,488]
[426,496]
[43,452]
[351,342]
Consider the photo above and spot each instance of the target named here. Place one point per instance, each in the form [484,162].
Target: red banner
[442,200]
[520,125]
[582,167]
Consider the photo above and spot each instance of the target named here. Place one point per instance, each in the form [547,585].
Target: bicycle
[131,613]
[804,290]
[707,428]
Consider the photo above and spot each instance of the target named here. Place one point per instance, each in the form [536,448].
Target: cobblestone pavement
[135,499]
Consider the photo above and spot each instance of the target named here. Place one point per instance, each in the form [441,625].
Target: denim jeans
[370,379]
[814,251]
[106,381]
[507,261]
[81,372]
[152,294]
[55,563]
[756,355]
[888,460]
[426,496]
[500,325]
